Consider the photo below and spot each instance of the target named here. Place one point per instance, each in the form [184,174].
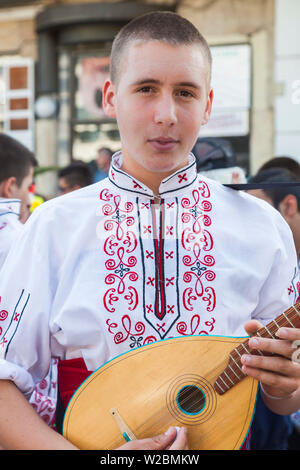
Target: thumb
[252,326]
[162,440]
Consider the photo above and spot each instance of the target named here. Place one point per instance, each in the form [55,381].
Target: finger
[180,442]
[275,364]
[162,441]
[274,346]
[280,384]
[159,442]
[291,334]
[252,326]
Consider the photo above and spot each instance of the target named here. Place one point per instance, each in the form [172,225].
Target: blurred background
[54,57]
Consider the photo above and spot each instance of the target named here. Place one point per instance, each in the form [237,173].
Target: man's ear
[208,107]
[108,98]
[8,187]
[288,207]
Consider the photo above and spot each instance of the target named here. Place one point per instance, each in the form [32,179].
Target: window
[16,99]
[91,128]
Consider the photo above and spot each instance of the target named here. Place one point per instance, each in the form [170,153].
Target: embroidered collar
[172,184]
[10,206]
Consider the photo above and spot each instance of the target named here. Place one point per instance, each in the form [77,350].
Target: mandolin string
[153,420]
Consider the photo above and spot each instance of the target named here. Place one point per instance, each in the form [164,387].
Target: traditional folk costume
[43,397]
[10,225]
[103,270]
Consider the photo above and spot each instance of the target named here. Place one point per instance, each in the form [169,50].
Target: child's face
[161,101]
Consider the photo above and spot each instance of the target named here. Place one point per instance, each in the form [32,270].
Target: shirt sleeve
[281,287]
[27,288]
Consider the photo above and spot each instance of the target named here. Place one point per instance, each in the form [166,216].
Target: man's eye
[185,94]
[145,89]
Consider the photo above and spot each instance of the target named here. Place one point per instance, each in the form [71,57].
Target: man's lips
[163,143]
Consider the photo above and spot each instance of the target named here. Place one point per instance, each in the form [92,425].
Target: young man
[152,252]
[74,176]
[16,176]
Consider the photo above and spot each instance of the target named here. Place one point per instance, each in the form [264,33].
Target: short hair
[165,26]
[77,173]
[278,193]
[106,150]
[15,159]
[282,162]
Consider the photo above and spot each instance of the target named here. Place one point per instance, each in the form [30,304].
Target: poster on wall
[232,91]
[91,73]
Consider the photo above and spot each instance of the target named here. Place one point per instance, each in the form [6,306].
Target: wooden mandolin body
[143,391]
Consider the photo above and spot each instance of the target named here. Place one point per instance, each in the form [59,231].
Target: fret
[276,324]
[223,391]
[237,376]
[237,351]
[229,377]
[226,385]
[298,313]
[236,363]
[288,320]
[243,345]
[270,334]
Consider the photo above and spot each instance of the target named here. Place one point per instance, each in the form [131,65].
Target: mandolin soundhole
[191,400]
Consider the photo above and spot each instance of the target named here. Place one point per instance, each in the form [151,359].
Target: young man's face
[160,102]
[22,192]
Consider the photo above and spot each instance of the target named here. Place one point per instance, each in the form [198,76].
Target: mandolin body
[166,383]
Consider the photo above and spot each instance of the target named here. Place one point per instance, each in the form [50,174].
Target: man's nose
[165,110]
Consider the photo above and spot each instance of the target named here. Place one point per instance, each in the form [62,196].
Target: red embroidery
[151,281]
[170,281]
[196,240]
[136,185]
[194,324]
[119,246]
[128,331]
[3,313]
[182,178]
[191,258]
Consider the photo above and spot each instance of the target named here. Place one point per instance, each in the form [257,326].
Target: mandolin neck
[233,372]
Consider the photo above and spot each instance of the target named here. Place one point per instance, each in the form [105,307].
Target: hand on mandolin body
[279,373]
[171,440]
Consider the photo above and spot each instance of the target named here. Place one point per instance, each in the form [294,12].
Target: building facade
[54,56]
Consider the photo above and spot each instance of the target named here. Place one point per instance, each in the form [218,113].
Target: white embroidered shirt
[100,271]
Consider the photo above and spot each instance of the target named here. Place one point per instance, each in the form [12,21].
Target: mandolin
[192,381]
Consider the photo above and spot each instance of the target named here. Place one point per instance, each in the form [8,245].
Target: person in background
[216,159]
[17,163]
[286,199]
[283,432]
[74,176]
[100,166]
[287,163]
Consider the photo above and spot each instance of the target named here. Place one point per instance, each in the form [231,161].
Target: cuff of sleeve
[18,375]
